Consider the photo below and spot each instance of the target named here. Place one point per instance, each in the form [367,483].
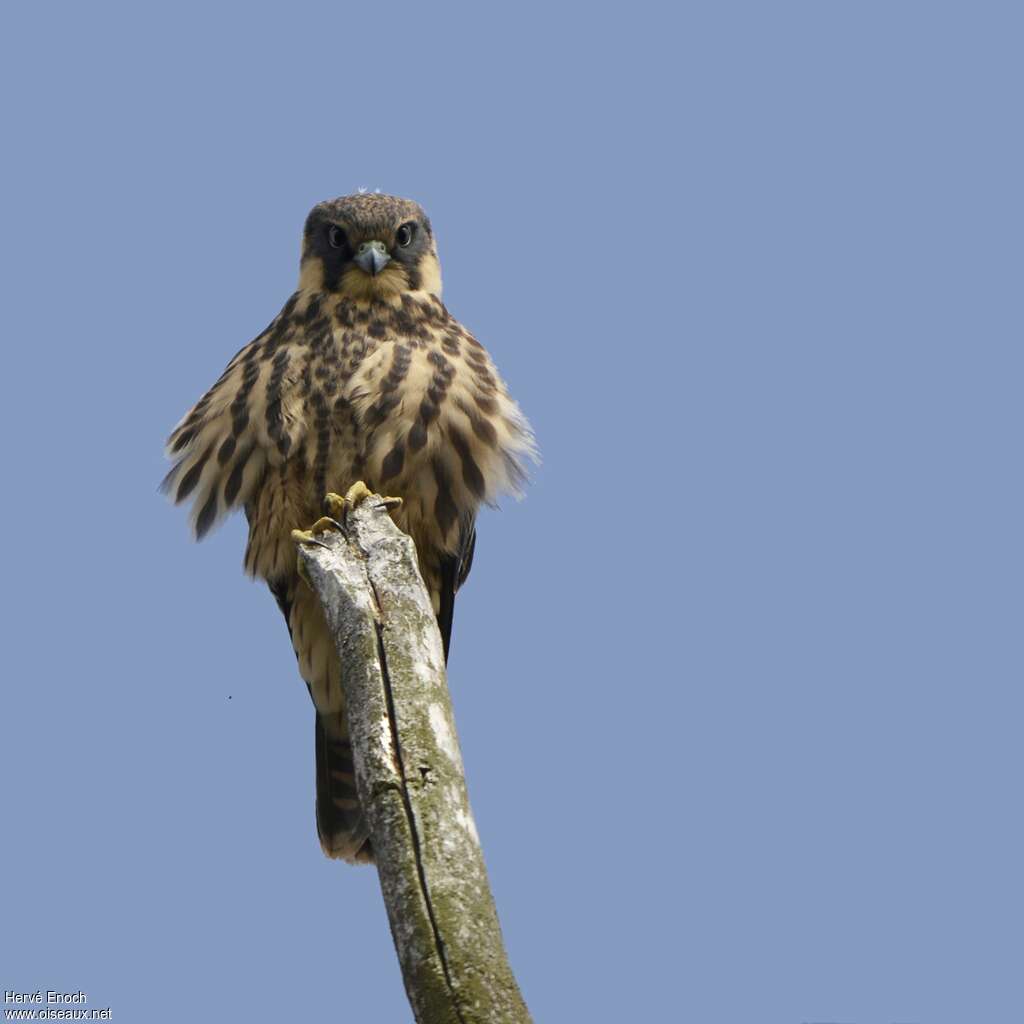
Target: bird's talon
[308,537]
[339,507]
[357,493]
[323,524]
[334,505]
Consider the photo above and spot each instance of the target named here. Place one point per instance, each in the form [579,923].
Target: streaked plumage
[364,375]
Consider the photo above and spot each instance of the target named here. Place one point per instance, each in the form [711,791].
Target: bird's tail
[340,822]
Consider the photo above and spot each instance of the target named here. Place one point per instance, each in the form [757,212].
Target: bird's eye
[336,237]
[405,234]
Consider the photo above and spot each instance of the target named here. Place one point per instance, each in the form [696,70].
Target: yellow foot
[339,507]
[310,537]
[356,493]
[320,526]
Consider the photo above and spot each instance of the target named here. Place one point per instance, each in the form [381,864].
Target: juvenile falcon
[364,375]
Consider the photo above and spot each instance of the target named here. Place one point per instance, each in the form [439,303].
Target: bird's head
[369,246]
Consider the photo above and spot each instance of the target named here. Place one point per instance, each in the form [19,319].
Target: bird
[364,382]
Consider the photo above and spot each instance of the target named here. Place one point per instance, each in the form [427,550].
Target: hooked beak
[372,257]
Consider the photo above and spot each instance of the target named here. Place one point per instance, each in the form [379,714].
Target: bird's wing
[250,419]
[454,570]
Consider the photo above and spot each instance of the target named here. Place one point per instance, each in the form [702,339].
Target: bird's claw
[322,525]
[339,507]
[357,494]
[310,536]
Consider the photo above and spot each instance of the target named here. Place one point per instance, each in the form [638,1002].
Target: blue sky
[738,684]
